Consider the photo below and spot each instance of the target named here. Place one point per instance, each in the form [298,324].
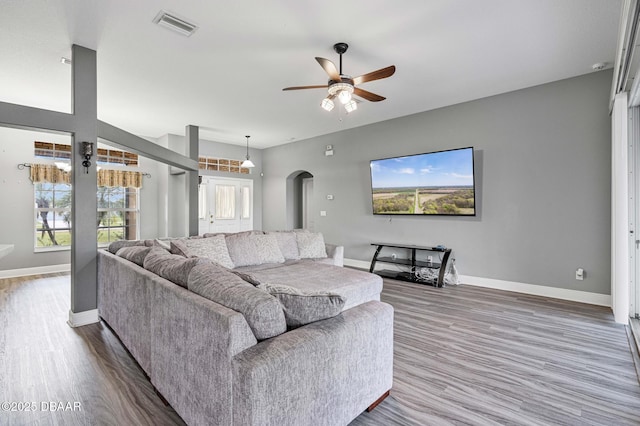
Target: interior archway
[300,200]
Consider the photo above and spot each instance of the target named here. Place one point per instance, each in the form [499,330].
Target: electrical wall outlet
[430,259]
[580,274]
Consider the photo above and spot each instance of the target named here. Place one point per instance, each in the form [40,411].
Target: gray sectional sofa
[298,341]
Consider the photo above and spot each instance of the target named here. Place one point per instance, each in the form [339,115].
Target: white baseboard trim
[78,319]
[362,264]
[37,270]
[533,289]
[539,290]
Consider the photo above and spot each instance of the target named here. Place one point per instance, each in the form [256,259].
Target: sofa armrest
[330,370]
[193,343]
[336,253]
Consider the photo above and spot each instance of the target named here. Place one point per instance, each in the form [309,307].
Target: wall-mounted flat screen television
[434,183]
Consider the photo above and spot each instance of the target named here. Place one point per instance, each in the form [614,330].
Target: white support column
[620,210]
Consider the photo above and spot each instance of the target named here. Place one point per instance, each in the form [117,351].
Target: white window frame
[135,209]
[36,216]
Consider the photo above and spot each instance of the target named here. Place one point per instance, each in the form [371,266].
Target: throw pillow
[214,248]
[262,311]
[117,245]
[169,266]
[135,254]
[268,249]
[179,247]
[288,245]
[311,245]
[242,249]
[302,308]
[161,243]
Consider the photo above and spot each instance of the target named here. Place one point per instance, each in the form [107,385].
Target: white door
[308,221]
[225,205]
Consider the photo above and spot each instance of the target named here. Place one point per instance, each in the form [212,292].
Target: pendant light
[247,163]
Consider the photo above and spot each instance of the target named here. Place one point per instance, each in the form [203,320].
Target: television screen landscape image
[435,183]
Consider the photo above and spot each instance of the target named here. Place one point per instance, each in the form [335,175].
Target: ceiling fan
[343,86]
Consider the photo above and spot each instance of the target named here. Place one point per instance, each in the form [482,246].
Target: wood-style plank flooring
[463,355]
[476,356]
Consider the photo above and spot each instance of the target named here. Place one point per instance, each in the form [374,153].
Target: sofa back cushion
[242,249]
[135,254]
[213,248]
[288,244]
[311,245]
[262,311]
[302,307]
[268,248]
[117,245]
[169,266]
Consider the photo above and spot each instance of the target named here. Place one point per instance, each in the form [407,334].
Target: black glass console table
[423,270]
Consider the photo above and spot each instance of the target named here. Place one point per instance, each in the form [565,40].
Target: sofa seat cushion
[355,286]
[171,267]
[262,311]
[301,307]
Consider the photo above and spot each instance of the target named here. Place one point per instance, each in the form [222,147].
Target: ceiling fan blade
[375,75]
[330,68]
[305,87]
[368,95]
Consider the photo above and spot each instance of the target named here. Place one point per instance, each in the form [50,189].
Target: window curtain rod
[21,166]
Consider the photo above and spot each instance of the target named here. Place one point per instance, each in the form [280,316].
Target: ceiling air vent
[174,23]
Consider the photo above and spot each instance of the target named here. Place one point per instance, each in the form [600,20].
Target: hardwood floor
[43,360]
[470,355]
[463,355]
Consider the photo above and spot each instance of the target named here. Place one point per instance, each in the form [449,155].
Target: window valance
[109,178]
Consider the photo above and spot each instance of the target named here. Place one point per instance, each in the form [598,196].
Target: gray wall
[171,204]
[161,197]
[236,152]
[17,215]
[17,206]
[542,170]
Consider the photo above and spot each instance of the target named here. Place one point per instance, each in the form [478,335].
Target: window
[117,218]
[222,165]
[117,197]
[53,214]
[62,152]
[246,202]
[225,202]
[117,214]
[202,201]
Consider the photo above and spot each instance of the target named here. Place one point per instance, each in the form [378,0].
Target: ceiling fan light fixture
[351,106]
[327,104]
[336,88]
[344,96]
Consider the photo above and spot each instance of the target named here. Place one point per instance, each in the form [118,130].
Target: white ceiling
[228,77]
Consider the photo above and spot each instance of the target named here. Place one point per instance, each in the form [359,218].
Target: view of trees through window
[117,215]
